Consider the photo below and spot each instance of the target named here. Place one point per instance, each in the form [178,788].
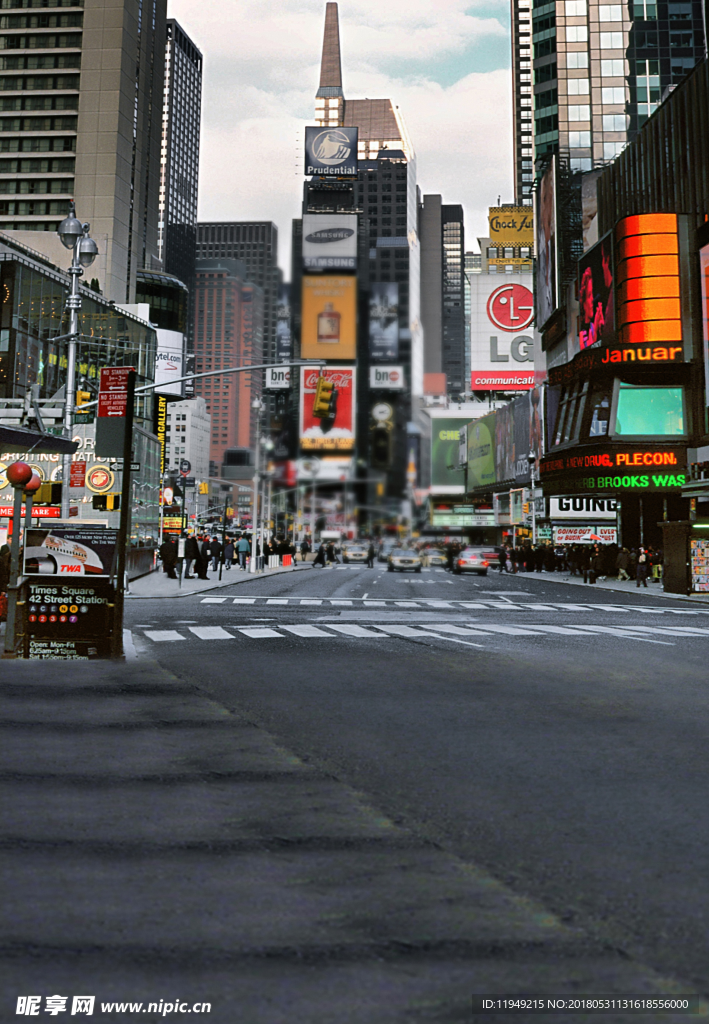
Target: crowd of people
[592,562]
[204,551]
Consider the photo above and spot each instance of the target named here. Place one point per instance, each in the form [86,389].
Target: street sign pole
[122,541]
[14,574]
[221,557]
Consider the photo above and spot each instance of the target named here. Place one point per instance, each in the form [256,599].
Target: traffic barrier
[287,560]
[274,561]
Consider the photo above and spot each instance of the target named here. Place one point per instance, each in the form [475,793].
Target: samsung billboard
[329,241]
[331,152]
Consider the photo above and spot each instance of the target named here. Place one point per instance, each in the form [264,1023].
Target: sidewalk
[157,845]
[156,584]
[623,586]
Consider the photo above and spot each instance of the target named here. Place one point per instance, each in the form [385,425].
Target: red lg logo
[511,307]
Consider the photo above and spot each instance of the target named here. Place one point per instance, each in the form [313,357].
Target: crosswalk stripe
[405,631]
[305,601]
[211,633]
[475,604]
[566,630]
[306,631]
[347,603]
[213,600]
[407,604]
[259,632]
[628,633]
[458,630]
[438,604]
[277,600]
[375,604]
[163,635]
[513,630]
[352,630]
[243,600]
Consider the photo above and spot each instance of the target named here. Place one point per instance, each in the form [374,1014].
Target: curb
[554,577]
[217,585]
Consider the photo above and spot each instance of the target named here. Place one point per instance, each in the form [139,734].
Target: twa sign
[334,435]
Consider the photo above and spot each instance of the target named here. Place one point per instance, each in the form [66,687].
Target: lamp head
[70,229]
[87,250]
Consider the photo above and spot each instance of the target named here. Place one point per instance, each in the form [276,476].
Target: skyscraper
[442,292]
[82,102]
[601,69]
[255,245]
[522,100]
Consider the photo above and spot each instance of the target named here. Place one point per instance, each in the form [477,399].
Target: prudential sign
[331,151]
[329,241]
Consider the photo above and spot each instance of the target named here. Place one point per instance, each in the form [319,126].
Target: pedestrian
[4,568]
[202,562]
[304,549]
[168,556]
[370,555]
[622,564]
[332,554]
[320,556]
[243,549]
[215,552]
[228,552]
[191,555]
[503,559]
[641,569]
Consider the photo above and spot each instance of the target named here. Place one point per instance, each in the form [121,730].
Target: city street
[553,737]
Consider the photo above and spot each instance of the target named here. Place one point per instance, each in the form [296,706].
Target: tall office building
[255,245]
[228,332]
[601,69]
[521,20]
[82,90]
[179,157]
[442,291]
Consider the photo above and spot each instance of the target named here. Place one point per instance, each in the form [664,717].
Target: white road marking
[243,600]
[375,604]
[618,631]
[438,604]
[407,604]
[213,600]
[566,630]
[348,603]
[306,631]
[352,630]
[305,601]
[458,630]
[513,630]
[260,632]
[163,635]
[211,633]
[277,600]
[404,631]
[128,646]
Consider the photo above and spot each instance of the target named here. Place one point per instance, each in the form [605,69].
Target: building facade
[228,332]
[442,290]
[522,143]
[188,436]
[82,101]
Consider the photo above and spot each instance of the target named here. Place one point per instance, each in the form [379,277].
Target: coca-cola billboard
[335,435]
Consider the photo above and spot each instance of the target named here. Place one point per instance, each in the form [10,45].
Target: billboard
[546,247]
[328,435]
[502,333]
[329,317]
[284,345]
[277,377]
[329,241]
[383,321]
[511,225]
[481,452]
[168,361]
[597,295]
[447,475]
[704,273]
[70,552]
[331,151]
[386,378]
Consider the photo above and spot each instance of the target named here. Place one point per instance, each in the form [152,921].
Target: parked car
[473,560]
[403,560]
[354,553]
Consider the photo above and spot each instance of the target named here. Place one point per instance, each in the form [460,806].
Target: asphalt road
[549,734]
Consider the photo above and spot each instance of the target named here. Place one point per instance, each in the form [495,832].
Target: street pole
[256,404]
[312,515]
[14,573]
[221,557]
[122,544]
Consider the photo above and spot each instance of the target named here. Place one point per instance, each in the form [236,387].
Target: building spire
[331,66]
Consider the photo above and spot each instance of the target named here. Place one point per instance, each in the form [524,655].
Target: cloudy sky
[444,62]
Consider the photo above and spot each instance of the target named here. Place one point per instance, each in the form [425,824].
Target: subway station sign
[616,469]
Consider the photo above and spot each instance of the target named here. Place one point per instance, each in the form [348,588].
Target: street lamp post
[532,461]
[75,236]
[257,405]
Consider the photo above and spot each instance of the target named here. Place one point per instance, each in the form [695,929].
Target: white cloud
[261,74]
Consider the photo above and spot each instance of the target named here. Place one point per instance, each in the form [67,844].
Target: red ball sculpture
[19,474]
[34,483]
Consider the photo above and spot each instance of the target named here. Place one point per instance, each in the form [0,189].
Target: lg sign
[511,307]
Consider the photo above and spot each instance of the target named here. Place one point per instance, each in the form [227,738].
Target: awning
[17,439]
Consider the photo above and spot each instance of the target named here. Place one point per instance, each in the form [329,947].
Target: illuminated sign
[511,307]
[100,479]
[704,279]
[585,535]
[501,380]
[596,295]
[328,435]
[659,354]
[330,241]
[647,274]
[617,469]
[329,317]
[511,225]
[331,151]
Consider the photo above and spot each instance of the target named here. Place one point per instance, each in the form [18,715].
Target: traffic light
[48,494]
[106,502]
[380,448]
[525,508]
[325,403]
[81,398]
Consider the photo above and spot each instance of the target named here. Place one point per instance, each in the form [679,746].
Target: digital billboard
[329,241]
[447,475]
[329,317]
[481,452]
[335,435]
[331,151]
[597,295]
[383,321]
[704,272]
[168,360]
[546,236]
[284,345]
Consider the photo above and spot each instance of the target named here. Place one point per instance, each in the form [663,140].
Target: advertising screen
[511,225]
[284,346]
[597,295]
[481,452]
[329,317]
[545,231]
[168,361]
[331,151]
[328,435]
[383,321]
[505,459]
[70,551]
[446,477]
[502,333]
[329,241]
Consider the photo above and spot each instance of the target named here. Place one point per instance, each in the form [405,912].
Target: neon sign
[647,271]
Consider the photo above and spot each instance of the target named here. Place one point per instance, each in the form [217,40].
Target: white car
[472,560]
[404,560]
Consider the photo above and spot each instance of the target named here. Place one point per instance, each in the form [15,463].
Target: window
[576,60]
[612,149]
[579,140]
[575,8]
[579,113]
[577,34]
[611,40]
[614,123]
[654,411]
[600,406]
[581,164]
[610,12]
[613,94]
[577,87]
